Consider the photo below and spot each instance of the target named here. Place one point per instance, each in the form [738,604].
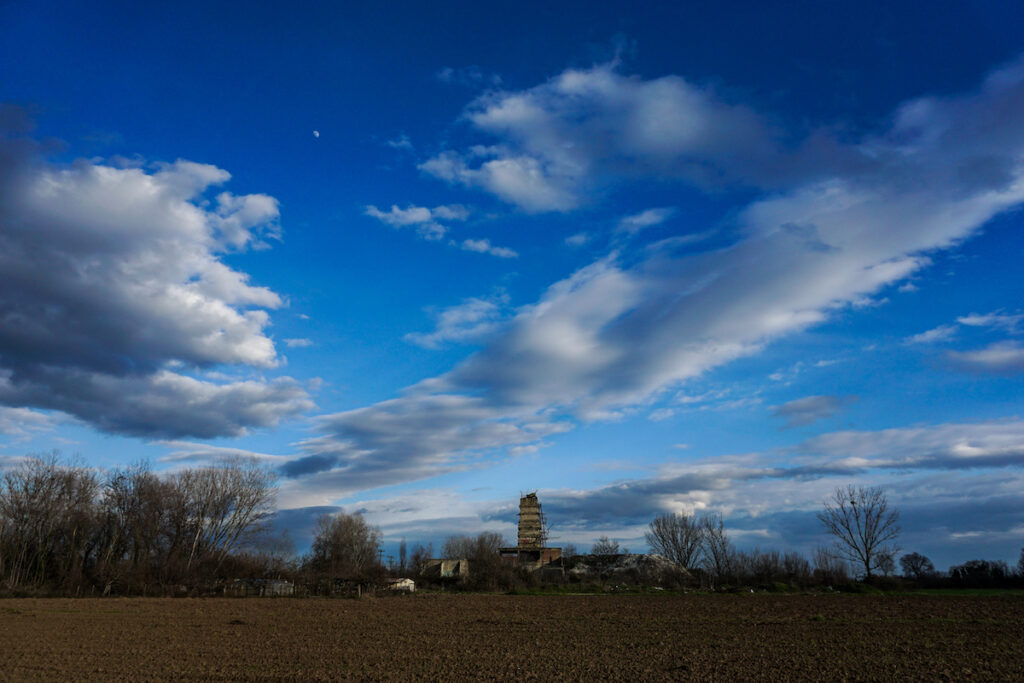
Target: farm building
[401,585]
[446,569]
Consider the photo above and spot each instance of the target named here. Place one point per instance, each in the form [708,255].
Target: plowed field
[503,637]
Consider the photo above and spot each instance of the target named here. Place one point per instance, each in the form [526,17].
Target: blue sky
[421,260]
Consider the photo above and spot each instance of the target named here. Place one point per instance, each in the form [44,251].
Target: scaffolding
[533,532]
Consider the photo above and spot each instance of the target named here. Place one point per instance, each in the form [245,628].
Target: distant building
[531,553]
[446,569]
[401,585]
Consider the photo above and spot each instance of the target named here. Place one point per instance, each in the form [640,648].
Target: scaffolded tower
[532,528]
[532,554]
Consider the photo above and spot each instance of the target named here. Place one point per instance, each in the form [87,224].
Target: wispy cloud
[1005,357]
[484,246]
[425,220]
[1003,321]
[189,451]
[401,142]
[936,334]
[834,230]
[810,409]
[470,321]
[577,240]
[645,219]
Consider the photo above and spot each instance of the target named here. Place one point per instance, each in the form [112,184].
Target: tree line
[69,528]
[76,530]
[863,530]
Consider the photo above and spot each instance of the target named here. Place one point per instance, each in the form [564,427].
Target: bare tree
[717,548]
[863,526]
[419,557]
[47,522]
[225,503]
[916,566]
[677,537]
[480,548]
[605,546]
[344,546]
[829,569]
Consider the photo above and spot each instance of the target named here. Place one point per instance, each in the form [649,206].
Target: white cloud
[519,180]
[585,127]
[1009,323]
[645,219]
[484,246]
[401,142]
[618,333]
[298,343]
[469,321]
[1000,357]
[23,423]
[410,438]
[577,240]
[112,277]
[189,451]
[936,334]
[424,219]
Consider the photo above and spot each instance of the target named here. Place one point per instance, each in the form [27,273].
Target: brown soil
[503,637]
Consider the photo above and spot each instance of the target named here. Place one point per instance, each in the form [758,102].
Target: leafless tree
[677,537]
[344,547]
[605,546]
[47,522]
[419,557]
[717,548]
[479,548]
[829,569]
[916,566]
[224,504]
[863,526]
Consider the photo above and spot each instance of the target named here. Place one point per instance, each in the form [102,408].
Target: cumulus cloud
[162,403]
[810,409]
[616,333]
[112,277]
[559,140]
[470,321]
[520,180]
